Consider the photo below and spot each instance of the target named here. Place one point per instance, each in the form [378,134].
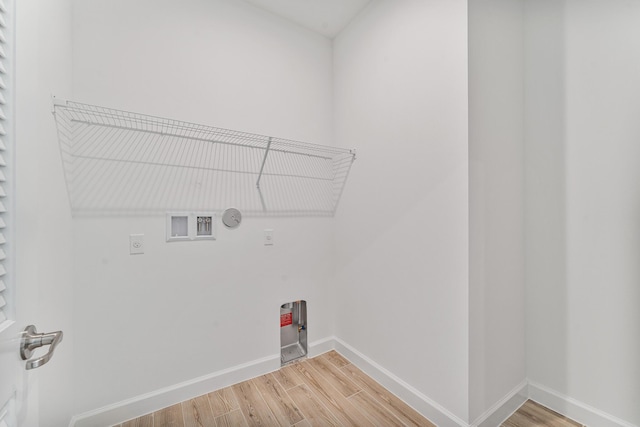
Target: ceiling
[327,17]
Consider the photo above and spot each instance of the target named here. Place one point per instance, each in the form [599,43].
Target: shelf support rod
[264,160]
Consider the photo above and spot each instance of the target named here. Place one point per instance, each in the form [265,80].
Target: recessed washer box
[183,226]
[293,331]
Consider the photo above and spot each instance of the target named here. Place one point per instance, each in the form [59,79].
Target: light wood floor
[324,391]
[532,414]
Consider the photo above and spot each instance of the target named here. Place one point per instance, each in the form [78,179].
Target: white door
[18,299]
[11,384]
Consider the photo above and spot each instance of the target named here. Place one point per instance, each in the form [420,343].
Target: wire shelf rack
[122,163]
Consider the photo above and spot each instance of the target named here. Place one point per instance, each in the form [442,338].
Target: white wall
[603,204]
[43,222]
[402,227]
[496,184]
[583,318]
[183,310]
[545,211]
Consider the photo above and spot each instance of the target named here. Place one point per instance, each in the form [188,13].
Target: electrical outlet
[268,237]
[136,244]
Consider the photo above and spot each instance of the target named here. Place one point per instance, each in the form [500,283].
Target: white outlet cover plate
[136,244]
[268,237]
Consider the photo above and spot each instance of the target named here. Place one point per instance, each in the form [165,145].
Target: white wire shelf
[122,163]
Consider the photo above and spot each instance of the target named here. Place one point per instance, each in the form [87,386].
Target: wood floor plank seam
[384,397]
[338,380]
[339,356]
[316,398]
[314,410]
[222,401]
[277,399]
[314,392]
[339,405]
[233,418]
[254,408]
[287,377]
[378,414]
[197,412]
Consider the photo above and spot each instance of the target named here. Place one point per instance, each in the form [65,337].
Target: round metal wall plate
[231,218]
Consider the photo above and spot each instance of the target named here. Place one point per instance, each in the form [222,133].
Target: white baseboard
[156,400]
[414,398]
[504,408]
[573,408]
[316,348]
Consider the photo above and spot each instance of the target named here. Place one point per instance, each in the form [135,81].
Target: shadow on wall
[547,302]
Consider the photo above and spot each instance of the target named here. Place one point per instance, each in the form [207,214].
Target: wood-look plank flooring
[324,391]
[532,414]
